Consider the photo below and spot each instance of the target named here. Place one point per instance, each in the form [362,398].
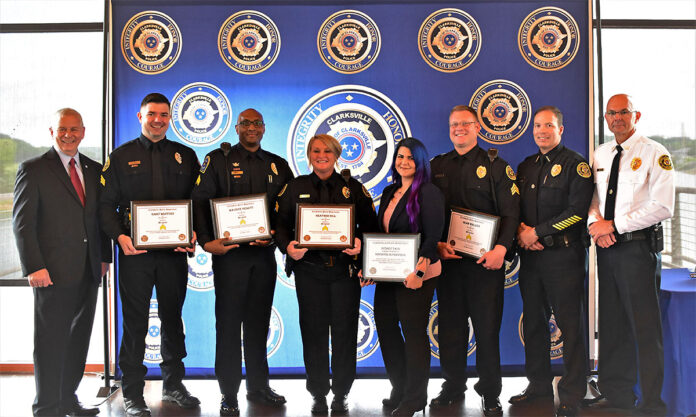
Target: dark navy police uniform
[244,277]
[128,176]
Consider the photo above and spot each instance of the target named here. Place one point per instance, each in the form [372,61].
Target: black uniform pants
[167,271]
[405,349]
[63,318]
[555,278]
[329,302]
[630,327]
[244,283]
[464,290]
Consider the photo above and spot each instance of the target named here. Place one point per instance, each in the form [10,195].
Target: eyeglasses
[462,124]
[247,123]
[622,113]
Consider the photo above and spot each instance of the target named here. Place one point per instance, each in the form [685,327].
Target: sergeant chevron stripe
[567,222]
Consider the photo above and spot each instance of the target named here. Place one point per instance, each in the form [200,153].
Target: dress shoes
[319,405]
[229,406]
[602,403]
[406,411]
[446,398]
[393,400]
[491,406]
[180,396]
[136,407]
[566,410]
[528,396]
[266,396]
[77,409]
[339,404]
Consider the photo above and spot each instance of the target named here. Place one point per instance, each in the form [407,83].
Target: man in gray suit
[63,254]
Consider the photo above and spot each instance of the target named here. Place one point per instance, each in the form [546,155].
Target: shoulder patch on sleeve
[665,162]
[514,190]
[584,170]
[106,164]
[510,173]
[206,162]
[283,190]
[367,193]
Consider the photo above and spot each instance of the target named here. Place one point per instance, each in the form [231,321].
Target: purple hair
[420,157]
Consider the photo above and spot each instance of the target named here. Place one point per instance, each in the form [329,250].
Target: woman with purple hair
[410,205]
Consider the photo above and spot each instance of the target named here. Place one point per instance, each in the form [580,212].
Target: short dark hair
[154,98]
[462,107]
[553,109]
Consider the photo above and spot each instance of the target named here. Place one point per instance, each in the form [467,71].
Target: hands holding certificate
[494,258]
[126,244]
[222,245]
[298,253]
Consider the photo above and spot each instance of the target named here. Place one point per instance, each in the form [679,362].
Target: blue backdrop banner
[369,74]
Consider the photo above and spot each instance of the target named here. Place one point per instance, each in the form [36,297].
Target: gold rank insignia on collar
[102,181]
[273,168]
[106,164]
[235,164]
[177,156]
[636,163]
[346,192]
[555,170]
[481,171]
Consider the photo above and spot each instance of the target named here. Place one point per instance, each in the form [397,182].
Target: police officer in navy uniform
[328,289]
[245,274]
[472,178]
[150,167]
[556,188]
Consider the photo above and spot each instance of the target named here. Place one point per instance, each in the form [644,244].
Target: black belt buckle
[628,236]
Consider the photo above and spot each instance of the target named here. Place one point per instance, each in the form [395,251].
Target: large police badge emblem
[504,110]
[367,331]
[434,330]
[449,40]
[349,41]
[548,38]
[200,271]
[288,281]
[249,42]
[511,269]
[201,114]
[555,337]
[151,42]
[366,123]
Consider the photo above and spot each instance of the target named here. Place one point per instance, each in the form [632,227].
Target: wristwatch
[420,274]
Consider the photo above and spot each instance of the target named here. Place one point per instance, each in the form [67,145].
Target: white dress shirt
[645,191]
[65,159]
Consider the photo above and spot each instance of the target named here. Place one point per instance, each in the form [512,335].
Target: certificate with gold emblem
[241,218]
[389,256]
[161,224]
[325,226]
[472,233]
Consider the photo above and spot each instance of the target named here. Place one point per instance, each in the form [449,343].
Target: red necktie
[75,179]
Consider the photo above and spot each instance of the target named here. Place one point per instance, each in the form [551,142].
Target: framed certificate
[242,218]
[161,224]
[325,226]
[472,233]
[389,257]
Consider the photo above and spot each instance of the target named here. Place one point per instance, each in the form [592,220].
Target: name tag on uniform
[600,169]
[304,195]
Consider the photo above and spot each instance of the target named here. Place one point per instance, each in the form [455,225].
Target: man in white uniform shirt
[634,192]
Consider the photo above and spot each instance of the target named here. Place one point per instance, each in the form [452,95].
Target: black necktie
[613,182]
[157,182]
[324,196]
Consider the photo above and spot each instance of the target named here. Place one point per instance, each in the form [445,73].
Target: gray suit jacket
[52,228]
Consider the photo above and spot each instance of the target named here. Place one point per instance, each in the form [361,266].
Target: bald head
[621,116]
[250,129]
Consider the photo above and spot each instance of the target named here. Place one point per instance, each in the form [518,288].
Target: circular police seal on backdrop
[366,123]
[151,42]
[275,333]
[555,335]
[249,42]
[349,41]
[511,269]
[449,40]
[548,38]
[200,271]
[288,281]
[201,114]
[504,110]
[153,338]
[367,331]
[434,330]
